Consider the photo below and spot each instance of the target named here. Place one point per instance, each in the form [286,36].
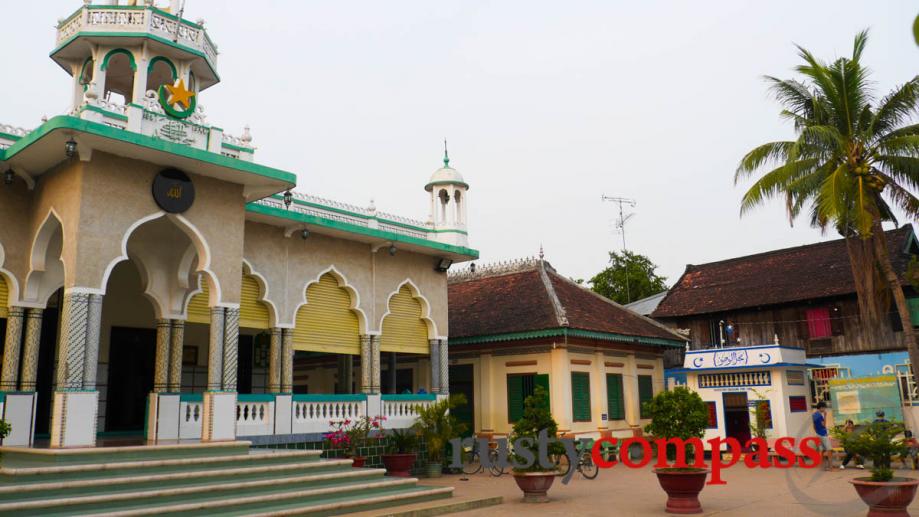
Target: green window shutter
[514,397]
[615,401]
[580,396]
[543,380]
[913,310]
[645,392]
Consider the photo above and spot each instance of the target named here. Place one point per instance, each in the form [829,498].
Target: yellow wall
[252,312]
[327,323]
[199,307]
[490,376]
[403,329]
[4,294]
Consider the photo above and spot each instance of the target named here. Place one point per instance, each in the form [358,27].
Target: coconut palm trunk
[893,281]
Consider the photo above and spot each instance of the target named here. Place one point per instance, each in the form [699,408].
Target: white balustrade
[190,416]
[138,19]
[254,418]
[402,412]
[313,415]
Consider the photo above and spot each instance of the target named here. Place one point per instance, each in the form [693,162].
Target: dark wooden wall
[759,326]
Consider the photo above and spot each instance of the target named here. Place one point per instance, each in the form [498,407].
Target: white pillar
[630,391]
[560,388]
[598,391]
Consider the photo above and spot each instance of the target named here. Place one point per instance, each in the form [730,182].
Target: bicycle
[586,465]
[474,463]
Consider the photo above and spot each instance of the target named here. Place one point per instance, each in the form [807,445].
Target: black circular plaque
[173,191]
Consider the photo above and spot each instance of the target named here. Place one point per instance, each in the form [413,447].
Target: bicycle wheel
[472,465]
[562,464]
[496,470]
[587,467]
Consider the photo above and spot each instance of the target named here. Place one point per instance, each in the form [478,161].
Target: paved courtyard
[619,491]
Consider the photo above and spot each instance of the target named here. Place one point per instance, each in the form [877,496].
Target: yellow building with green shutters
[519,325]
[155,280]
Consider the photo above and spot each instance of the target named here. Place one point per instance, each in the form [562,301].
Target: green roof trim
[66,122]
[357,229]
[297,201]
[8,136]
[565,332]
[114,52]
[147,35]
[107,113]
[237,148]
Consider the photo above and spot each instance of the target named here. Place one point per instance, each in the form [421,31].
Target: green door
[462,381]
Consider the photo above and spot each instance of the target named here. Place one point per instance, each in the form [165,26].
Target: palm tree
[855,157]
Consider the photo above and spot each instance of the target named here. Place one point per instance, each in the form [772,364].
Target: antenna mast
[620,227]
[179,21]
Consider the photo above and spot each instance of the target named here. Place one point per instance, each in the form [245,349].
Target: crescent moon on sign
[764,357]
[697,362]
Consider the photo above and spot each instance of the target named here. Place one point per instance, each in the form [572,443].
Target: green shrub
[678,413]
[878,441]
[536,417]
[438,426]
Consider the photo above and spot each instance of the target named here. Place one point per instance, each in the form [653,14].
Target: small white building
[732,381]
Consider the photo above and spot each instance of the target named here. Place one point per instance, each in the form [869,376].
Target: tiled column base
[219,422]
[73,419]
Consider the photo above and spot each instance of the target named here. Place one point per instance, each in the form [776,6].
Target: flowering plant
[348,434]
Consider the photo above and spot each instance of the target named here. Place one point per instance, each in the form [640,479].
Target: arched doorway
[326,338]
[404,344]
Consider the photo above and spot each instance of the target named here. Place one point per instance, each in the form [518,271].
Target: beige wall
[289,264]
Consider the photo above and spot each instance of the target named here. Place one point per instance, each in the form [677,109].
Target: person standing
[819,420]
[849,428]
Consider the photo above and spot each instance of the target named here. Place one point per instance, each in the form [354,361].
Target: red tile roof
[781,276]
[522,299]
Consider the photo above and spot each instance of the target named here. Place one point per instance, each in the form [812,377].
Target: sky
[547,106]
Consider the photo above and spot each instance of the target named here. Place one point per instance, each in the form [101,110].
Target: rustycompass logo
[177,100]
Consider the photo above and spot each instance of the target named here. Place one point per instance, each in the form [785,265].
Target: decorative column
[598,400]
[230,348]
[72,348]
[560,387]
[93,331]
[435,365]
[366,365]
[375,364]
[176,344]
[8,377]
[486,408]
[215,350]
[274,361]
[161,364]
[30,351]
[287,361]
[76,401]
[444,368]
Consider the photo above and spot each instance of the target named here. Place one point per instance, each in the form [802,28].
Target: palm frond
[775,182]
[896,107]
[773,152]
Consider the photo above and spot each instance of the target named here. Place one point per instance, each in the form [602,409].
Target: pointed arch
[255,310]
[329,318]
[46,273]
[201,247]
[9,286]
[407,325]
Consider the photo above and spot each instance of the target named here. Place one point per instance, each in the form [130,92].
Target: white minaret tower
[448,203]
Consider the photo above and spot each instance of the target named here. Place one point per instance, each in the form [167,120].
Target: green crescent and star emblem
[177,100]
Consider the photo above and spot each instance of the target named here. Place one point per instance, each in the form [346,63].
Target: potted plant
[535,480]
[882,492]
[760,422]
[679,413]
[350,435]
[401,456]
[437,426]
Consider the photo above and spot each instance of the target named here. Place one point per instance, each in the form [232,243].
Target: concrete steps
[228,480]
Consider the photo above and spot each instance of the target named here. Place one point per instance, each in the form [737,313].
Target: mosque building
[156,280]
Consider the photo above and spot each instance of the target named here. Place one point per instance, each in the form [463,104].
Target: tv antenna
[620,227]
[179,21]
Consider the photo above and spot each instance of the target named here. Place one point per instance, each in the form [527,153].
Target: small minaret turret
[448,203]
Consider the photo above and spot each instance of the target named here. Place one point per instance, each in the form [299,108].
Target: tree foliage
[855,159]
[536,417]
[629,277]
[437,426]
[878,441]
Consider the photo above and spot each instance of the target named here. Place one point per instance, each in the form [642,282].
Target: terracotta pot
[399,465]
[535,485]
[358,461]
[886,498]
[682,487]
[435,470]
